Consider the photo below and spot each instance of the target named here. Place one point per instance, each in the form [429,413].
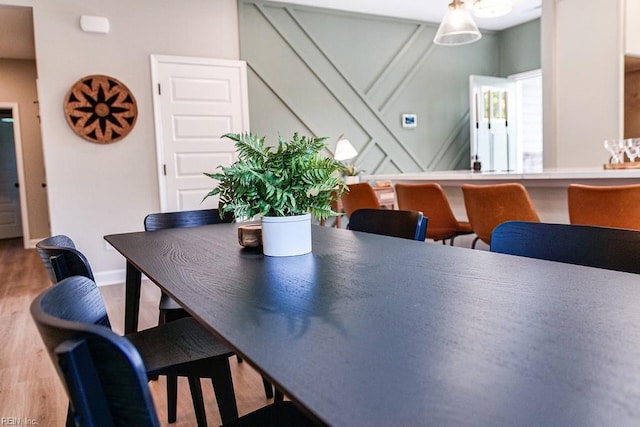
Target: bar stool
[490,205]
[431,200]
[607,206]
[359,196]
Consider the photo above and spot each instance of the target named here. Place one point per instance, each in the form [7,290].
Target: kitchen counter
[547,188]
[544,178]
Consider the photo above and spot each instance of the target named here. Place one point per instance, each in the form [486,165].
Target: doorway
[18,91]
[506,122]
[493,130]
[10,209]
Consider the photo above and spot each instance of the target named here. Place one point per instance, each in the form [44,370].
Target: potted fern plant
[284,186]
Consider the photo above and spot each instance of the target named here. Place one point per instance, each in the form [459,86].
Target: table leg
[132,299]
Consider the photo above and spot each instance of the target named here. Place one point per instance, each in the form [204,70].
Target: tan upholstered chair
[490,205]
[607,206]
[359,196]
[431,200]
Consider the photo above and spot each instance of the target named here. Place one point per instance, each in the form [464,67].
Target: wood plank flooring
[30,391]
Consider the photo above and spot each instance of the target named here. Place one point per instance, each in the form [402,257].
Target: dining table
[370,330]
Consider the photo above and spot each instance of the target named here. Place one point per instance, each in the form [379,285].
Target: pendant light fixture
[491,8]
[457,26]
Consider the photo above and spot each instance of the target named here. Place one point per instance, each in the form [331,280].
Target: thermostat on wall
[94,24]
[409,121]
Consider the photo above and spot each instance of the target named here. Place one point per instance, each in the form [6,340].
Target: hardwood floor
[30,391]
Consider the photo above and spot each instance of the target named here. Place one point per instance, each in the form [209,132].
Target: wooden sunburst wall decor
[100,109]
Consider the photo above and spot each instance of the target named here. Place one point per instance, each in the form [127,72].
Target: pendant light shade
[457,27]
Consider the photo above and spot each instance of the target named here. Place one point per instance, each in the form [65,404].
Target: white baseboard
[111,277]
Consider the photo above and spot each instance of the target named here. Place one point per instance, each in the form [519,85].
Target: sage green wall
[520,48]
[327,73]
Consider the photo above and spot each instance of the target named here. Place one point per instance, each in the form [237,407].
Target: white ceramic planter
[286,235]
[352,179]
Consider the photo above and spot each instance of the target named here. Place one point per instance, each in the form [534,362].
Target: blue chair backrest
[183,219]
[61,258]
[103,373]
[602,247]
[387,222]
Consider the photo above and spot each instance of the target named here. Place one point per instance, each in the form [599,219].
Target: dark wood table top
[370,330]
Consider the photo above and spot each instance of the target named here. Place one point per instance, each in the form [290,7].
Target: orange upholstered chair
[607,206]
[490,205]
[431,200]
[359,196]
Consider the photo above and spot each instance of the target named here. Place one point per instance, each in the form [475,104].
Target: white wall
[632,36]
[583,72]
[101,189]
[547,62]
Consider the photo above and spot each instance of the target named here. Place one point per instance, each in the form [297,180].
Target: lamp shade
[457,27]
[344,150]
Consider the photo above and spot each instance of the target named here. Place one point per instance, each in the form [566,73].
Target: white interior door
[493,124]
[196,101]
[10,216]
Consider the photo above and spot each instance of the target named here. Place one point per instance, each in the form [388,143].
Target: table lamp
[344,150]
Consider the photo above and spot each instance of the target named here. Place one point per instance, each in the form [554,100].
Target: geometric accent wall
[324,73]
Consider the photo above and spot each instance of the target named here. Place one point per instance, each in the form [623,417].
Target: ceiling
[428,10]
[16,23]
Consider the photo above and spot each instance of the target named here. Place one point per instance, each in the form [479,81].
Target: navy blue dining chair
[168,309]
[61,264]
[593,246]
[201,355]
[389,222]
[104,374]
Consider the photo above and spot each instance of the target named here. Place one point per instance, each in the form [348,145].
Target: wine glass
[616,148]
[632,148]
